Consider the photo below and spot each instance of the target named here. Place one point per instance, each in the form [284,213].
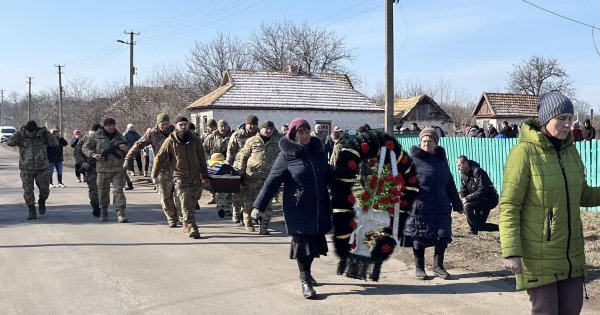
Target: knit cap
[31,126]
[109,121]
[552,104]
[181,118]
[267,124]
[162,117]
[212,123]
[251,119]
[295,125]
[431,132]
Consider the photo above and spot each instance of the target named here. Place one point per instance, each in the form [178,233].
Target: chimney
[293,69]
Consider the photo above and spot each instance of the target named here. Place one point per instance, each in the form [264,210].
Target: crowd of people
[539,222]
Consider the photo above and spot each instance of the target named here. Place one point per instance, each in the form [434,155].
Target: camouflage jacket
[33,153]
[152,136]
[185,159]
[100,143]
[236,143]
[81,158]
[257,157]
[215,143]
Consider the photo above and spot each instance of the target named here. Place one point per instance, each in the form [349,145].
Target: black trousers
[477,213]
[138,160]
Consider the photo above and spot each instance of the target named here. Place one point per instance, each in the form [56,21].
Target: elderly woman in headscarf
[430,221]
[303,170]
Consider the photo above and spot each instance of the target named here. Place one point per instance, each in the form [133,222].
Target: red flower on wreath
[390,210]
[375,206]
[389,177]
[353,224]
[389,144]
[365,196]
[365,208]
[364,147]
[351,198]
[386,248]
[412,180]
[352,165]
[379,191]
[372,162]
[395,192]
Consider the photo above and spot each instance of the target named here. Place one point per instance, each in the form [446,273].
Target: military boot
[121,218]
[263,230]
[103,214]
[42,206]
[95,209]
[307,288]
[32,215]
[194,233]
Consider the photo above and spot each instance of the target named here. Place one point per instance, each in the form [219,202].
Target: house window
[325,125]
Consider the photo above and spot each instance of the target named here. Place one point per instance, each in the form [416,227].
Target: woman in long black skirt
[303,170]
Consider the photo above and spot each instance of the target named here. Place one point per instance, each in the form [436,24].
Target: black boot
[32,215]
[307,289]
[420,264]
[95,209]
[438,266]
[42,206]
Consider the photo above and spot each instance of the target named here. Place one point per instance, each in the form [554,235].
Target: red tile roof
[508,104]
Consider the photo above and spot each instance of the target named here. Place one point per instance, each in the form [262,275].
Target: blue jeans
[59,170]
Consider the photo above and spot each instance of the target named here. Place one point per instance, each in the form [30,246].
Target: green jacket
[185,159]
[99,143]
[33,153]
[236,143]
[542,191]
[257,157]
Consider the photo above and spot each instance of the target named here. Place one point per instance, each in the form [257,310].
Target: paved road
[68,263]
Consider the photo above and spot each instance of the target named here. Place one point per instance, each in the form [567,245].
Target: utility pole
[389,65]
[131,42]
[29,101]
[1,104]
[60,99]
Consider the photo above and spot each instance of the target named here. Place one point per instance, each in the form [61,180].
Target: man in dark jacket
[507,130]
[132,136]
[589,133]
[56,158]
[478,195]
[492,132]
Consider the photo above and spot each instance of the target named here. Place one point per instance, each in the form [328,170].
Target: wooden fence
[491,155]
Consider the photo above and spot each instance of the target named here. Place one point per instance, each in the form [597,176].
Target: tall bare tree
[277,45]
[537,75]
[208,62]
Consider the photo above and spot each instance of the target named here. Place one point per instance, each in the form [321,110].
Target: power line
[355,15]
[180,20]
[339,12]
[560,15]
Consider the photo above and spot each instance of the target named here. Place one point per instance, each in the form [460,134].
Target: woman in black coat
[303,170]
[430,220]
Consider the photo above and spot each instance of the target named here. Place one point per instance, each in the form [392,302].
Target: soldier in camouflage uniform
[156,137]
[33,143]
[236,143]
[255,162]
[108,147]
[216,142]
[182,151]
[89,165]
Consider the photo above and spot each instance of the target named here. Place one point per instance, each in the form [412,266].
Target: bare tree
[275,46]
[209,61]
[537,75]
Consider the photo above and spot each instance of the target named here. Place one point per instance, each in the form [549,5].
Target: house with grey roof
[326,99]
[422,110]
[494,108]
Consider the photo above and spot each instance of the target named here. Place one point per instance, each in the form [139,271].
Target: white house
[494,108]
[326,99]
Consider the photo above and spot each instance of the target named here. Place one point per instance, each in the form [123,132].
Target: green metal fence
[491,155]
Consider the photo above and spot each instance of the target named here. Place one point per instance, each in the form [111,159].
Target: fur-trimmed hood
[439,152]
[294,148]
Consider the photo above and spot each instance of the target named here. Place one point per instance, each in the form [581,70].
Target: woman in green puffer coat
[544,187]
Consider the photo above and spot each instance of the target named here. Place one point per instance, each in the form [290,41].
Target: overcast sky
[472,44]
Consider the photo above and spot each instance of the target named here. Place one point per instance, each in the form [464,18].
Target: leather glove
[128,164]
[256,214]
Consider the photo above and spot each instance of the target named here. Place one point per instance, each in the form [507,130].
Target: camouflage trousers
[91,178]
[251,190]
[117,179]
[188,192]
[224,201]
[170,203]
[237,200]
[40,177]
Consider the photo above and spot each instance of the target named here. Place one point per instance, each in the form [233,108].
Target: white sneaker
[52,185]
[61,185]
